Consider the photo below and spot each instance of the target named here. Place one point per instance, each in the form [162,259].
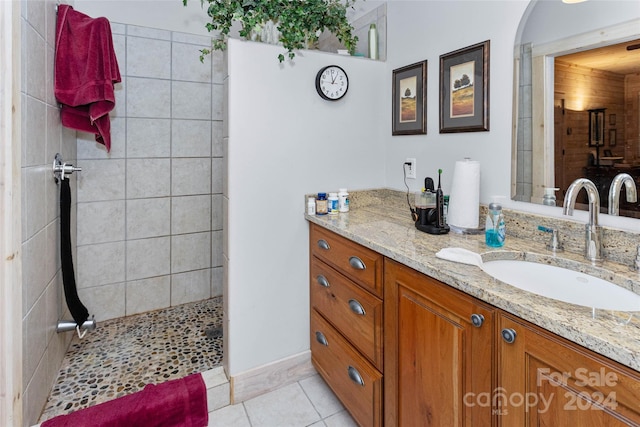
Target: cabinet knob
[322,244]
[356,307]
[509,335]
[322,281]
[355,376]
[477,319]
[321,339]
[357,263]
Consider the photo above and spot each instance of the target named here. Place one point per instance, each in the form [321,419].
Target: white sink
[563,284]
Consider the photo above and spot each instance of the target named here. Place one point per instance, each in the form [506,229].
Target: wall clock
[332,83]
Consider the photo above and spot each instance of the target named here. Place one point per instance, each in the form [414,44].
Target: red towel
[175,403]
[85,70]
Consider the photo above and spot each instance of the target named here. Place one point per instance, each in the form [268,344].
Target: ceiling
[615,58]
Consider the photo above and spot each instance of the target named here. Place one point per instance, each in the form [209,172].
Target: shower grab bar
[70,325]
[60,168]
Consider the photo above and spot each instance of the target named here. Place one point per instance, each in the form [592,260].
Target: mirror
[569,59]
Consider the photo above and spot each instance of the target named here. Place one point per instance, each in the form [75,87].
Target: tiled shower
[149,214]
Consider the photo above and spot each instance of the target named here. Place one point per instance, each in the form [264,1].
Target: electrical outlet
[411,168]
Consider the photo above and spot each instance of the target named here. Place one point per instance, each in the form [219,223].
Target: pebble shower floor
[123,355]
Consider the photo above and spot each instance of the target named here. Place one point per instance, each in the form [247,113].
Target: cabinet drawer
[360,264]
[355,381]
[356,313]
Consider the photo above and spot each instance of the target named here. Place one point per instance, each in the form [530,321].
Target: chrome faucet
[593,232]
[614,192]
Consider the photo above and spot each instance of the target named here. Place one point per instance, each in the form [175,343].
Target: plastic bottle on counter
[321,204]
[332,206]
[311,206]
[494,226]
[343,200]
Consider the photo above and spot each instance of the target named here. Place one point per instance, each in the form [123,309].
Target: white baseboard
[263,379]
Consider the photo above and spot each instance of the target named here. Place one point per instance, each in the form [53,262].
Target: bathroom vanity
[407,339]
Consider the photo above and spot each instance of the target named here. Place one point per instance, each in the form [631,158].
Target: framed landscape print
[464,89]
[409,95]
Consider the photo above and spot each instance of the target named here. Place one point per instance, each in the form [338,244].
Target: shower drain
[213,333]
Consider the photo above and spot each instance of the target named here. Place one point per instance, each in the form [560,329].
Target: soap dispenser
[494,226]
[549,197]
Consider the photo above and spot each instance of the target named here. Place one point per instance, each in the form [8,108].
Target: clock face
[332,83]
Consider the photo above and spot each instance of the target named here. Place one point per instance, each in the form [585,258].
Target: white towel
[461,255]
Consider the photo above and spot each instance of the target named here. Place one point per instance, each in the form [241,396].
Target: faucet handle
[554,244]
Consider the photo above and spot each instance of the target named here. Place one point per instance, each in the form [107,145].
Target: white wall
[426,30]
[285,141]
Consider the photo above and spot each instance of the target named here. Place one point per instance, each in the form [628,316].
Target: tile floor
[308,402]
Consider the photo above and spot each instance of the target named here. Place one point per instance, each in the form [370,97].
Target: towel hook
[60,168]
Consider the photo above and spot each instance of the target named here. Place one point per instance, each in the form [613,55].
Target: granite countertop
[383,224]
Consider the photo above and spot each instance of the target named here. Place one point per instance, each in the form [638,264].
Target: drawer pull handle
[322,244]
[509,335]
[355,376]
[357,263]
[356,307]
[322,281]
[321,339]
[477,320]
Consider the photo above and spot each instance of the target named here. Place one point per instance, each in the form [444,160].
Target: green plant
[300,22]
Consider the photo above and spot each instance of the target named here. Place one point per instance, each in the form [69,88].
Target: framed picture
[612,119]
[409,97]
[612,137]
[464,89]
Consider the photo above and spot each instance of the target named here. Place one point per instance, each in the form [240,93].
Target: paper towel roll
[464,198]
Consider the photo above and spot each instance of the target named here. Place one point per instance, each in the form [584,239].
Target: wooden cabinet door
[545,380]
[437,363]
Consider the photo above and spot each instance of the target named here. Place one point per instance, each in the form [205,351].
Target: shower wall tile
[191,138]
[120,49]
[100,264]
[35,394]
[148,257]
[148,98]
[101,222]
[148,294]
[34,338]
[190,286]
[52,198]
[148,231]
[202,41]
[152,33]
[148,178]
[106,302]
[51,262]
[216,174]
[217,275]
[148,217]
[190,214]
[186,64]
[101,180]
[53,132]
[218,67]
[148,58]
[35,192]
[35,132]
[190,176]
[217,104]
[190,252]
[36,60]
[191,100]
[148,138]
[216,138]
[216,212]
[217,238]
